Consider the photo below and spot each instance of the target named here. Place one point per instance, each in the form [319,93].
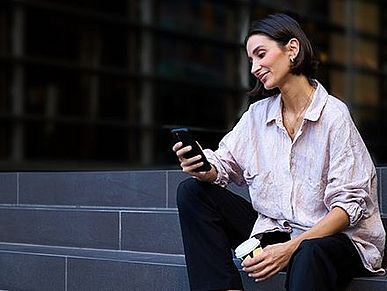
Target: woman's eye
[261,55]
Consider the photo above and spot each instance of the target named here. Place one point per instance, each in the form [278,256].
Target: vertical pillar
[90,56]
[4,73]
[349,45]
[17,83]
[244,18]
[132,85]
[230,63]
[147,68]
[51,107]
[95,60]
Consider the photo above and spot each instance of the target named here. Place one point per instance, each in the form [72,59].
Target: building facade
[98,84]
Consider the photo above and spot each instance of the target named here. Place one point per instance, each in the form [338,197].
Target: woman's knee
[186,191]
[309,269]
[309,250]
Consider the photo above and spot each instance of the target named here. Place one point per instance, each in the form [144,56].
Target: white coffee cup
[249,248]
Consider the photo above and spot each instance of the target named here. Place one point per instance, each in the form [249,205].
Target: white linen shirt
[294,184]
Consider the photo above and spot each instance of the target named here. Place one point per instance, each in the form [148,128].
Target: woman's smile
[269,63]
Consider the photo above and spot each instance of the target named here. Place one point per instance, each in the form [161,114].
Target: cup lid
[247,247]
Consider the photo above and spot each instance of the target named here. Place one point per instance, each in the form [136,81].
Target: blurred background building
[98,84]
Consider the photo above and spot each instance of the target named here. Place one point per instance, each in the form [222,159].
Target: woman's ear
[293,47]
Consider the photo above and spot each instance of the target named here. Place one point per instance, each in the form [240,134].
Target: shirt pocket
[310,200]
[263,193]
[315,189]
[315,185]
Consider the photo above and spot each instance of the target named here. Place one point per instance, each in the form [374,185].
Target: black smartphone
[183,135]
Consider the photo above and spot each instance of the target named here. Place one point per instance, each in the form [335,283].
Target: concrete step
[105,189]
[149,230]
[104,231]
[125,189]
[104,210]
[130,189]
[277,284]
[33,267]
[146,230]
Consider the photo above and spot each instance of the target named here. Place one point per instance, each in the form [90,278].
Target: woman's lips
[262,77]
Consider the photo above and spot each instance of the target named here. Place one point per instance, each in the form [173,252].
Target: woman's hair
[282,28]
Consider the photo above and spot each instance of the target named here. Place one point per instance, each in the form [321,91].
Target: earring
[292,59]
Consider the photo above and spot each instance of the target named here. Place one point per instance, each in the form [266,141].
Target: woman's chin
[268,86]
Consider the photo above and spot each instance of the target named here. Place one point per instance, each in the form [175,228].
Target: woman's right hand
[189,165]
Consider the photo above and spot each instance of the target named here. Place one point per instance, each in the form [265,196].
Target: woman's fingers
[190,169]
[182,151]
[191,164]
[266,273]
[262,271]
[190,161]
[255,264]
[177,146]
[262,267]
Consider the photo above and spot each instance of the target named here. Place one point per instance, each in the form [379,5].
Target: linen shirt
[293,184]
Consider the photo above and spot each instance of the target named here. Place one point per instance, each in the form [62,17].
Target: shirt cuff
[354,210]
[219,180]
[222,177]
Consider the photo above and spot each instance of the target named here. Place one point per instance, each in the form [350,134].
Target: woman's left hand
[270,261]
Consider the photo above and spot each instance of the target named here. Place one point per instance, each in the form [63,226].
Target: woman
[311,180]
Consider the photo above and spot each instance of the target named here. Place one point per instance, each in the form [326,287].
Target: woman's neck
[296,93]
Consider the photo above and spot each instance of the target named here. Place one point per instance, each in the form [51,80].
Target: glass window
[84,72]
[366,90]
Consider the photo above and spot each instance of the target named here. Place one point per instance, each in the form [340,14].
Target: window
[98,84]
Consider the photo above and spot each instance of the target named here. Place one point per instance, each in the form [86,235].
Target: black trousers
[214,220]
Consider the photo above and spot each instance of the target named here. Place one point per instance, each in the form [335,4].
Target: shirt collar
[320,98]
[313,113]
[274,110]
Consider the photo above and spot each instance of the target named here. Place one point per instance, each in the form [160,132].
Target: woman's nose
[255,67]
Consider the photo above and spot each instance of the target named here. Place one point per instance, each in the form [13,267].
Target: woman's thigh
[327,263]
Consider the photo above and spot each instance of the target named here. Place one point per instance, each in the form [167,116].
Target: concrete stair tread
[44,268]
[96,228]
[112,255]
[82,261]
[377,283]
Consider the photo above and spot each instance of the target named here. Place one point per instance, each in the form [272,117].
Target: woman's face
[269,62]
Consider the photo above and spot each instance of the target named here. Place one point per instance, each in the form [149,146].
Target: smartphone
[183,135]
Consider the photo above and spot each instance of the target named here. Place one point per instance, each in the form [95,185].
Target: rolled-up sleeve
[230,156]
[351,173]
[351,201]
[225,165]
